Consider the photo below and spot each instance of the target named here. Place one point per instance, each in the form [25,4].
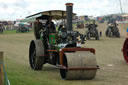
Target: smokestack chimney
[69,8]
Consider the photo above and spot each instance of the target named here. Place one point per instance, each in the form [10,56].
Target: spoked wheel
[88,36]
[125,50]
[106,33]
[36,54]
[110,34]
[118,34]
[97,36]
[33,58]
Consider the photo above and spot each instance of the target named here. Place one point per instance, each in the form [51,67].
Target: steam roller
[125,50]
[62,48]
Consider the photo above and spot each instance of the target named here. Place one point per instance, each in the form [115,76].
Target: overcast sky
[15,9]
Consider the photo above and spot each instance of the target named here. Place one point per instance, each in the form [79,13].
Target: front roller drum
[125,50]
[79,60]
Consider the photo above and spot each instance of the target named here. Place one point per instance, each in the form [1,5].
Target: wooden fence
[1,69]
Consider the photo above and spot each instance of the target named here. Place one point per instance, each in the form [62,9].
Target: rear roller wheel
[36,54]
[79,59]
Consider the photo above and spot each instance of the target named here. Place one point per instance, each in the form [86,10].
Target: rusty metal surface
[79,68]
[73,49]
[80,59]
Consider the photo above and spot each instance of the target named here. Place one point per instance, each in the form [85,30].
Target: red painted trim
[125,50]
[52,50]
[79,68]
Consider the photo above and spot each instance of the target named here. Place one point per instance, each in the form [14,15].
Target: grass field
[113,68]
[9,32]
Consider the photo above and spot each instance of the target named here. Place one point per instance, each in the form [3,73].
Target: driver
[50,26]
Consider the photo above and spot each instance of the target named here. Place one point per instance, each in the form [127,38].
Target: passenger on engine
[37,27]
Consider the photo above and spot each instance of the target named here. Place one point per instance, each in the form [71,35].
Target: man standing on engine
[50,26]
[37,27]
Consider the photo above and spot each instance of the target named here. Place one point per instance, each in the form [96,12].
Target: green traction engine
[62,49]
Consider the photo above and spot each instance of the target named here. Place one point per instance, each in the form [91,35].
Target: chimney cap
[69,4]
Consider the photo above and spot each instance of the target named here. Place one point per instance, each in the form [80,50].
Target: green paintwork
[52,39]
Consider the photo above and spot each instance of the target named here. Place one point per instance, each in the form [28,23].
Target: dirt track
[113,68]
